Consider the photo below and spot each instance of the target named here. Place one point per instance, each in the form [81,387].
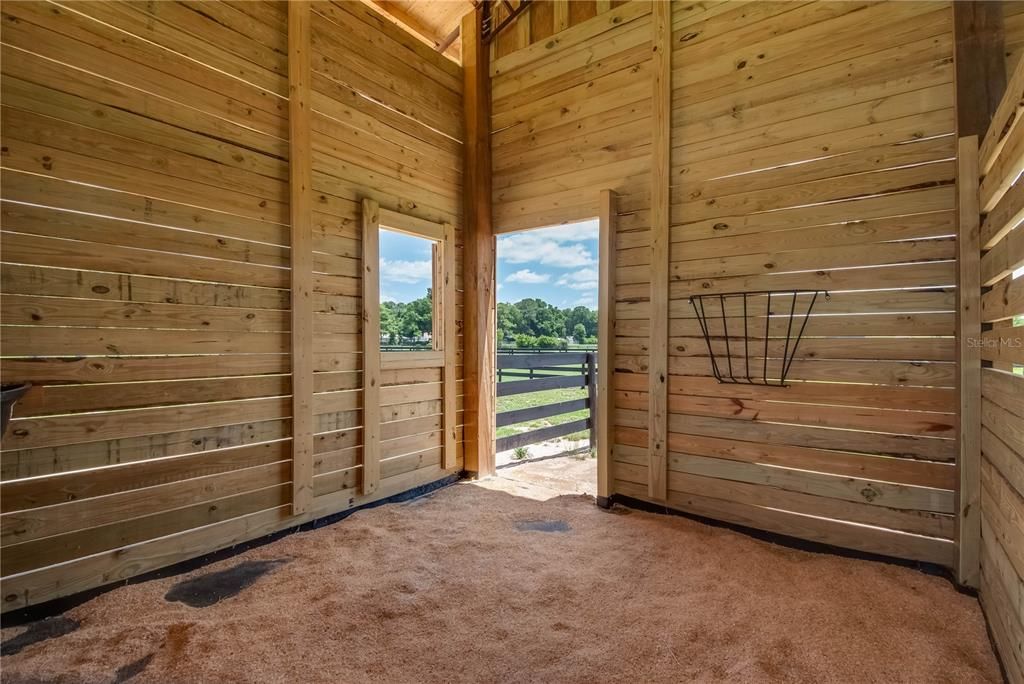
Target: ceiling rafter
[437,22]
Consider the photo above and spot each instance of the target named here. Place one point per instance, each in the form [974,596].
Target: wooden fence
[542,373]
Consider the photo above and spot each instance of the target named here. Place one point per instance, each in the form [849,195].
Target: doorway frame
[606,246]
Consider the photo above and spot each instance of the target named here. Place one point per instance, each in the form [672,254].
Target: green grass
[521,401]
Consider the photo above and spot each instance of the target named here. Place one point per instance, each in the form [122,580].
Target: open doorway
[548,356]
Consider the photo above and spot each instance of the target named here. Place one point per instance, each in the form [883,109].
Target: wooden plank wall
[829,168]
[1013,32]
[1002,404]
[146,274]
[542,19]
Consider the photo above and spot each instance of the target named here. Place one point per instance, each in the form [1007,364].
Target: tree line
[533,322]
[407,322]
[529,322]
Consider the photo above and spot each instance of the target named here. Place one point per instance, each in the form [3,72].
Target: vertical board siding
[146,275]
[1002,392]
[830,168]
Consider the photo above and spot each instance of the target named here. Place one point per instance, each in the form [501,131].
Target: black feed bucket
[9,394]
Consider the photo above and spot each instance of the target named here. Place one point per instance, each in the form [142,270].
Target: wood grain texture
[371,347]
[301,204]
[661,82]
[152,249]
[980,66]
[607,233]
[479,246]
[449,321]
[790,168]
[968,364]
[1001,409]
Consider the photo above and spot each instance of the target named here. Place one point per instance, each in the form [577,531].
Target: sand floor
[554,474]
[497,582]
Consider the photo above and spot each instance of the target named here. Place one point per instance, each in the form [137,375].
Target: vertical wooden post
[371,346]
[980,76]
[478,267]
[561,11]
[980,64]
[968,356]
[301,203]
[605,343]
[592,399]
[451,340]
[657,442]
[438,329]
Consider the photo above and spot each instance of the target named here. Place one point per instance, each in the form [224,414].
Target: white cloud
[588,300]
[406,271]
[558,247]
[384,297]
[527,277]
[583,279]
[526,249]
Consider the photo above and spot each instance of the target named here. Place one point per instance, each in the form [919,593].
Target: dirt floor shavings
[37,632]
[445,589]
[213,587]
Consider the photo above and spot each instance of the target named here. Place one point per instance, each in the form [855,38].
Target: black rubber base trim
[604,502]
[57,606]
[795,542]
[995,648]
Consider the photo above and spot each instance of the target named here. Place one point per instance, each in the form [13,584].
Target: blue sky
[405,267]
[558,265]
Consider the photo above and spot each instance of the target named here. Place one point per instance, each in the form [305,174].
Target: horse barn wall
[1002,392]
[812,147]
[146,274]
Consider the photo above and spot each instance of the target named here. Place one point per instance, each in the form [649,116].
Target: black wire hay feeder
[752,337]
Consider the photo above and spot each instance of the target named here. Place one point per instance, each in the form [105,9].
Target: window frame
[441,236]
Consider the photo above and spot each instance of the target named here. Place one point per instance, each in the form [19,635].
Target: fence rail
[543,373]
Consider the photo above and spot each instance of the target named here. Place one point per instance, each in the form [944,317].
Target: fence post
[592,398]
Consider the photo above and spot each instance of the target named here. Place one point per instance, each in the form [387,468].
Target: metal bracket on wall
[778,350]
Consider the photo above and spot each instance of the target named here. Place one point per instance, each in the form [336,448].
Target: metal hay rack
[738,354]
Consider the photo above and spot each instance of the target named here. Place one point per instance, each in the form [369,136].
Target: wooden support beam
[661,40]
[969,364]
[605,342]
[980,80]
[301,204]
[478,262]
[561,11]
[371,346]
[451,339]
[980,64]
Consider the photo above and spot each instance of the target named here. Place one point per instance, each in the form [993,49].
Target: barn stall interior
[809,344]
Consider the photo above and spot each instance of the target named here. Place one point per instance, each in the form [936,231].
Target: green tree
[389,321]
[579,333]
[541,318]
[581,315]
[525,341]
[548,342]
[510,321]
[407,321]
